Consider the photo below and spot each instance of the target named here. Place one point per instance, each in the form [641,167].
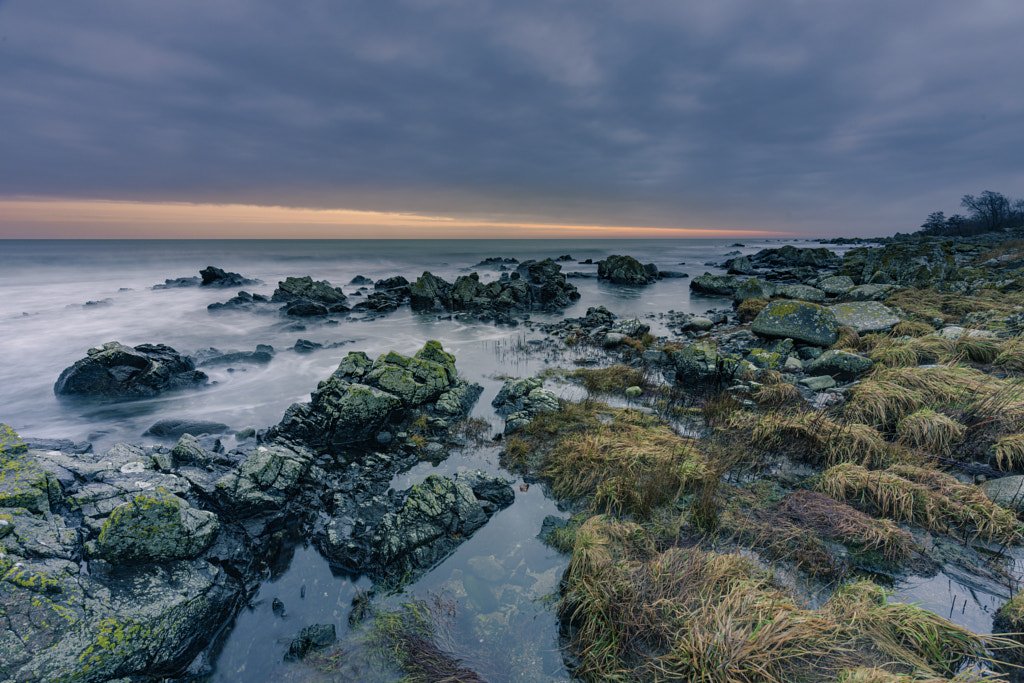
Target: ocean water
[59,298]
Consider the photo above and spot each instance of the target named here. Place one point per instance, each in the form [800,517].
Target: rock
[488,488]
[23,483]
[155,527]
[701,364]
[718,285]
[954,332]
[413,380]
[513,393]
[175,427]
[624,270]
[243,301]
[315,637]
[410,533]
[359,281]
[740,265]
[753,288]
[836,285]
[459,399]
[613,339]
[868,292]
[818,383]
[263,354]
[802,292]
[189,451]
[306,346]
[841,365]
[864,316]
[766,360]
[304,297]
[797,320]
[1007,492]
[906,263]
[550,525]
[536,402]
[215,277]
[791,256]
[698,324]
[118,371]
[428,293]
[266,479]
[792,365]
[633,392]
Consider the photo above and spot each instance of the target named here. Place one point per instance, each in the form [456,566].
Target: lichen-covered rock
[459,399]
[623,270]
[865,316]
[189,451]
[143,622]
[118,371]
[513,392]
[841,365]
[266,479]
[869,292]
[797,320]
[753,288]
[538,401]
[23,483]
[155,527]
[428,293]
[766,360]
[413,380]
[701,364]
[791,256]
[718,285]
[837,285]
[802,292]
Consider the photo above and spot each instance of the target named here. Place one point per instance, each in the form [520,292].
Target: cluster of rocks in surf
[125,564]
[211,276]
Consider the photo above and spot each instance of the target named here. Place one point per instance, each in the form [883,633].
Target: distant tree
[991,210]
[935,224]
[957,224]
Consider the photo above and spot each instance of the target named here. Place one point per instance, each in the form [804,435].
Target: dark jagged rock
[305,298]
[216,277]
[702,365]
[306,346]
[359,281]
[740,265]
[534,285]
[178,282]
[175,427]
[497,262]
[625,270]
[243,301]
[118,371]
[789,256]
[355,403]
[398,537]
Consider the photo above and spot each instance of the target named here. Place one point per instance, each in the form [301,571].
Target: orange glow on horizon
[107,219]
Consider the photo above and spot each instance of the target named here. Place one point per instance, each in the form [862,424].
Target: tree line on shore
[987,212]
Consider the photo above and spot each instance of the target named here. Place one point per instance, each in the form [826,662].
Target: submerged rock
[175,427]
[118,371]
[315,637]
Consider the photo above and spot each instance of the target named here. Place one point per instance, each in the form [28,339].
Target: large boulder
[717,285]
[547,285]
[865,316]
[118,371]
[155,527]
[841,365]
[802,292]
[339,414]
[798,320]
[428,293]
[753,288]
[623,270]
[837,285]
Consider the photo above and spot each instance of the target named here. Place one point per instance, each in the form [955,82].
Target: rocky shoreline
[127,564]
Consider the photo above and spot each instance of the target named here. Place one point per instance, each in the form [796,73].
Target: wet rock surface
[118,371]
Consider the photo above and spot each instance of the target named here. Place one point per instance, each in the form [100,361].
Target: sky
[498,118]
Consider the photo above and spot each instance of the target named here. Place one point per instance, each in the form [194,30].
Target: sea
[58,298]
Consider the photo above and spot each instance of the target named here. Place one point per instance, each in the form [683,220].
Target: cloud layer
[821,117]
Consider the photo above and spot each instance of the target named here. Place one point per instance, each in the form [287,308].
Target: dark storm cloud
[833,116]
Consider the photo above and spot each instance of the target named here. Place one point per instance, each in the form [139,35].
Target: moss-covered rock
[155,527]
[801,292]
[264,480]
[865,316]
[701,364]
[623,270]
[753,288]
[798,320]
[837,285]
[841,365]
[23,483]
[718,285]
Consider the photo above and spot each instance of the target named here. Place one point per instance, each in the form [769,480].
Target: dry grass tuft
[632,464]
[776,394]
[976,348]
[848,339]
[613,380]
[1008,452]
[1011,355]
[817,438]
[922,496]
[888,395]
[911,328]
[931,431]
[748,309]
